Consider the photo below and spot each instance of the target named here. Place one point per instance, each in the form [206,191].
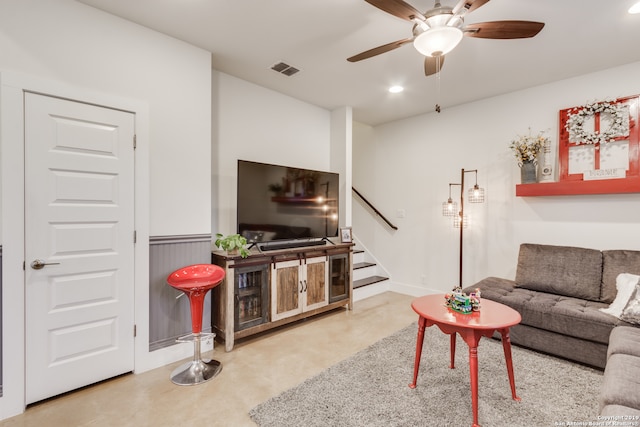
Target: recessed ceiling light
[396,89]
[635,8]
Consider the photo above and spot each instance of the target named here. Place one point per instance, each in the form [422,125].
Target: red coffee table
[492,317]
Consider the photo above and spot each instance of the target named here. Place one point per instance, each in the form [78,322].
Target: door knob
[39,264]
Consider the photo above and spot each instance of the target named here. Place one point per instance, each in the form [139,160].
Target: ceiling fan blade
[397,8]
[469,5]
[380,49]
[433,64]
[503,29]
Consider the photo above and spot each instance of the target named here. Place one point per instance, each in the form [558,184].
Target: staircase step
[359,265]
[358,257]
[368,281]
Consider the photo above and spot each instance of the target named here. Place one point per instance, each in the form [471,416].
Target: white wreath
[619,124]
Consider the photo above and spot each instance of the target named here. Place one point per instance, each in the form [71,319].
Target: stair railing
[376,211]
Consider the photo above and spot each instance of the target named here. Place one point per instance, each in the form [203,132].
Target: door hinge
[135,236]
[135,330]
[135,141]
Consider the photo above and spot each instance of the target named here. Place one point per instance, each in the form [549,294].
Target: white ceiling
[246,37]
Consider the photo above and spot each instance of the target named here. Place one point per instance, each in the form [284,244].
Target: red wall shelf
[566,188]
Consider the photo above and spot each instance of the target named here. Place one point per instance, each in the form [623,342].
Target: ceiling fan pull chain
[438,83]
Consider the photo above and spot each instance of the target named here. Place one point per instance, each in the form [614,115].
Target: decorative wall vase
[528,172]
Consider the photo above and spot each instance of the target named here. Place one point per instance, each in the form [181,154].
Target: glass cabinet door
[338,277]
[251,296]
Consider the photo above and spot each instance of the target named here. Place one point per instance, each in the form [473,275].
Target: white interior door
[79,222]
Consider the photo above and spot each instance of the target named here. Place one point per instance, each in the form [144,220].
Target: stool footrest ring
[204,337]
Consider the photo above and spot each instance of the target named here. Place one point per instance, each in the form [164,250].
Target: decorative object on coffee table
[463,303]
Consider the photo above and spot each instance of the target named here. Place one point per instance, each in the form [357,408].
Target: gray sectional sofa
[620,393]
[559,291]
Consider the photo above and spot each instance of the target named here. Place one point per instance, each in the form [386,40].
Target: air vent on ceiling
[284,68]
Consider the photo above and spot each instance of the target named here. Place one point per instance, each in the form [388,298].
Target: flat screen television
[282,206]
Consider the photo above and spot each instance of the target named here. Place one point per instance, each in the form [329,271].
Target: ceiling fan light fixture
[438,41]
[439,19]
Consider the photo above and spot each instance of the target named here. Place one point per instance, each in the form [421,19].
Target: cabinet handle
[301,288]
[305,286]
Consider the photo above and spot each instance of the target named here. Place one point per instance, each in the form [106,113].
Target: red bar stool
[195,281]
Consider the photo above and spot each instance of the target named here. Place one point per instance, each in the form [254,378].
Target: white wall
[86,54]
[408,165]
[69,42]
[258,124]
[342,159]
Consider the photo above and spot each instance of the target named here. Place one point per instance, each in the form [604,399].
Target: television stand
[289,245]
[272,289]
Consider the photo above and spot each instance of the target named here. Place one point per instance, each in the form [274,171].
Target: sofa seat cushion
[624,340]
[556,313]
[560,270]
[619,387]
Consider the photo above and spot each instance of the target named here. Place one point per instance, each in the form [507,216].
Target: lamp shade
[465,221]
[437,41]
[476,194]
[449,208]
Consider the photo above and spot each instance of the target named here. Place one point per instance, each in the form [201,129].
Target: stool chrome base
[197,371]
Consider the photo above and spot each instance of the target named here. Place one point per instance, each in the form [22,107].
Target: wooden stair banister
[376,211]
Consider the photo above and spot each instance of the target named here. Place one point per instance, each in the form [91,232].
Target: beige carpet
[371,389]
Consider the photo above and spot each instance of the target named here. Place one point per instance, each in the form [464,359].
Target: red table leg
[452,346]
[416,364]
[473,369]
[506,346]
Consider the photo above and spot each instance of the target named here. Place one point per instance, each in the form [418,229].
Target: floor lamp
[450,208]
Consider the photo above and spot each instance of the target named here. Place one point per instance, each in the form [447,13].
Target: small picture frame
[345,235]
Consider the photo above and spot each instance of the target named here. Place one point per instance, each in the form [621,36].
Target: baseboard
[389,286]
[413,290]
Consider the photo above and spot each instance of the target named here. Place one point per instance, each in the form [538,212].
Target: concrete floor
[258,368]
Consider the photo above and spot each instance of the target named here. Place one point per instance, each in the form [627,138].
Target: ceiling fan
[437,31]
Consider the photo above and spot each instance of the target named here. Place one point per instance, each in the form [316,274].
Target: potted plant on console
[232,243]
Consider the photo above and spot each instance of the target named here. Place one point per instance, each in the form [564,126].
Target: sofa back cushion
[560,270]
[615,262]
